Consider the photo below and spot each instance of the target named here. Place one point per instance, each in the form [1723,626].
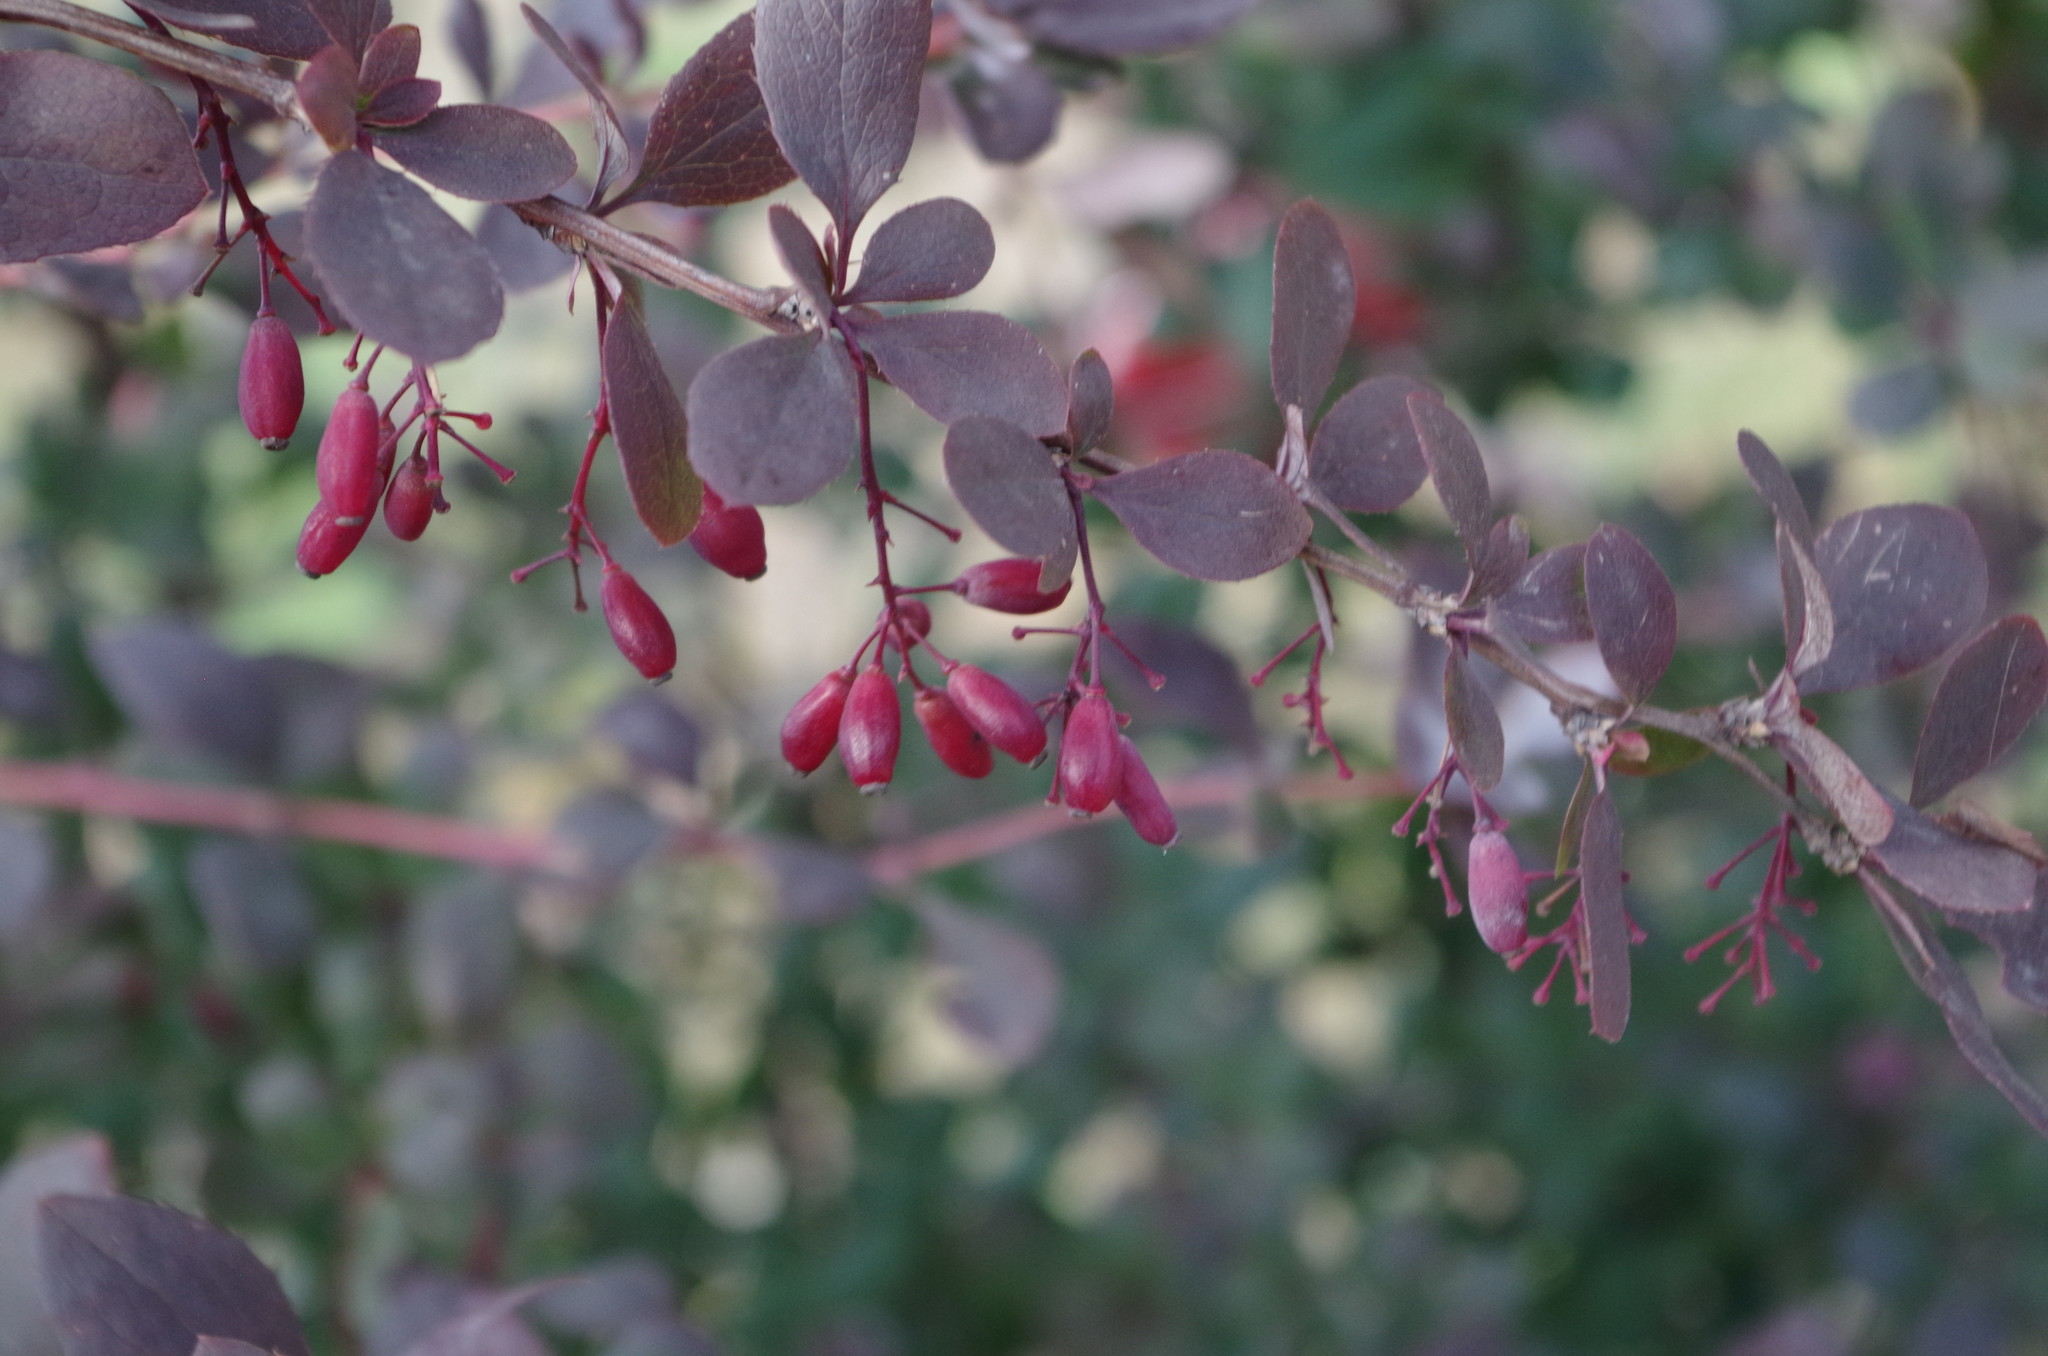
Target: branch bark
[214,67]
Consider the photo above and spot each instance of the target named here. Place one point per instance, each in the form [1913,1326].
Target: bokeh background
[1059,1095]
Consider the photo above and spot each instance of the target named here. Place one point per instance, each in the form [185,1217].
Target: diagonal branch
[216,67]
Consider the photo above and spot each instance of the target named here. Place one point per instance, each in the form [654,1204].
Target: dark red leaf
[657,738]
[612,151]
[1952,871]
[841,78]
[1091,401]
[1001,988]
[1633,610]
[1475,725]
[469,29]
[802,257]
[709,142]
[393,55]
[405,104]
[1498,564]
[1011,111]
[80,1165]
[956,363]
[1907,581]
[1204,692]
[1986,700]
[1126,27]
[1775,486]
[1213,515]
[929,251]
[328,93]
[89,156]
[350,23]
[396,266]
[484,152]
[1313,298]
[1452,455]
[2021,939]
[283,28]
[1607,939]
[124,1277]
[258,914]
[1366,456]
[774,421]
[1007,481]
[179,687]
[648,426]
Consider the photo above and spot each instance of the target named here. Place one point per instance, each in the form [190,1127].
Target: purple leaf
[612,152]
[841,78]
[523,258]
[89,156]
[181,689]
[124,1277]
[1864,810]
[1809,615]
[2021,939]
[1313,298]
[814,885]
[1498,564]
[774,421]
[1454,464]
[1607,932]
[1986,700]
[801,257]
[1205,690]
[258,915]
[328,94]
[397,267]
[1774,485]
[709,143]
[1475,725]
[489,1327]
[1633,610]
[351,23]
[604,834]
[648,426]
[405,103]
[1007,481]
[393,55]
[462,954]
[1952,871]
[657,738]
[483,152]
[77,1165]
[1907,582]
[28,875]
[1125,27]
[1091,401]
[929,251]
[469,30]
[1212,515]
[1366,456]
[955,363]
[1547,605]
[226,1346]
[1002,990]
[282,28]
[1011,111]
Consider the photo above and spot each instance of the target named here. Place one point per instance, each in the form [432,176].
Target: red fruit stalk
[409,502]
[1499,891]
[731,537]
[325,542]
[272,389]
[346,466]
[870,730]
[1091,755]
[638,627]
[1138,796]
[996,711]
[1009,585]
[955,741]
[811,729]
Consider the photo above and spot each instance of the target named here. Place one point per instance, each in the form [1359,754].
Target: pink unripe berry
[811,729]
[996,711]
[1091,755]
[1009,585]
[325,541]
[870,730]
[955,741]
[409,502]
[731,537]
[272,389]
[1499,891]
[1138,796]
[914,614]
[346,466]
[638,627]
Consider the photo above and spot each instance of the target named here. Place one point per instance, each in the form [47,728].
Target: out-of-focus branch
[216,68]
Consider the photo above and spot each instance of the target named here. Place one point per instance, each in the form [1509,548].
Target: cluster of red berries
[729,536]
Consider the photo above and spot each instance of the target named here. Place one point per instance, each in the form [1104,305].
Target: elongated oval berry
[996,711]
[346,467]
[272,389]
[731,537]
[1091,755]
[811,729]
[1009,585]
[325,541]
[871,730]
[409,502]
[1499,891]
[1138,796]
[959,746]
[638,627]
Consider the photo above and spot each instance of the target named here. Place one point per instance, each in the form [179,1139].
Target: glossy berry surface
[638,627]
[1009,585]
[409,500]
[956,742]
[997,712]
[871,730]
[346,467]
[1498,890]
[1091,755]
[325,542]
[731,537]
[1139,797]
[811,729]
[272,388]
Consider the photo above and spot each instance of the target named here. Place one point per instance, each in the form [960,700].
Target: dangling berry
[811,729]
[870,730]
[1499,891]
[955,741]
[997,713]
[1139,798]
[1009,585]
[731,537]
[638,627]
[409,503]
[346,467]
[914,614]
[272,389]
[325,541]
[1091,755]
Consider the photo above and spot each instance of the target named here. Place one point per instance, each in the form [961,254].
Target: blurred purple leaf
[654,734]
[604,1299]
[1475,725]
[328,96]
[177,686]
[612,148]
[1313,298]
[435,1113]
[226,1346]
[321,708]
[1011,110]
[523,257]
[88,287]
[350,23]
[1003,990]
[1211,515]
[484,152]
[393,55]
[648,427]
[709,142]
[1499,562]
[407,103]
[1985,702]
[1125,27]
[1907,582]
[1547,605]
[1007,481]
[489,1327]
[1954,872]
[2020,937]
[1204,690]
[1455,465]
[801,257]
[282,28]
[77,1165]
[814,885]
[462,954]
[1774,485]
[1898,400]
[90,155]
[258,914]
[1091,401]
[929,251]
[774,421]
[1366,456]
[28,874]
[469,31]
[955,363]
[604,833]
[1633,610]
[1607,931]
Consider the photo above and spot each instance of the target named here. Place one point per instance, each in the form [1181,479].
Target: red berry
[811,729]
[325,541]
[272,390]
[997,713]
[914,614]
[1091,755]
[731,537]
[1138,796]
[1499,891]
[346,467]
[387,451]
[870,730]
[638,627]
[409,503]
[955,741]
[1009,585]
